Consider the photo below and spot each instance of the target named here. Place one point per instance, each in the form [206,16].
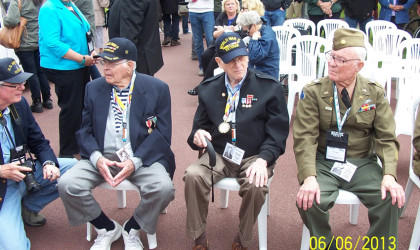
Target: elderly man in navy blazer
[125,135]
[24,189]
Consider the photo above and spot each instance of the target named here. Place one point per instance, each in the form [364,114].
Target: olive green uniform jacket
[369,131]
[416,144]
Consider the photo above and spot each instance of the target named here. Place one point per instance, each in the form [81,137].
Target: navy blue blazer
[150,97]
[30,134]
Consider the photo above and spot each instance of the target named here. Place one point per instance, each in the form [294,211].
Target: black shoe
[193,91]
[36,106]
[47,104]
[166,41]
[175,43]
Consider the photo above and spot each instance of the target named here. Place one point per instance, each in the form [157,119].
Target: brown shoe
[201,247]
[175,43]
[238,246]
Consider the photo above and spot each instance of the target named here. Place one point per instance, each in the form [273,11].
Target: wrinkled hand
[307,192]
[127,168]
[13,171]
[395,190]
[199,138]
[256,35]
[230,27]
[103,165]
[258,171]
[51,172]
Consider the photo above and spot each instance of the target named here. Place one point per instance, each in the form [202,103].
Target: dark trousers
[70,90]
[171,26]
[317,18]
[38,82]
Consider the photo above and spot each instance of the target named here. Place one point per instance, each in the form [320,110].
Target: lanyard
[124,108]
[230,112]
[340,123]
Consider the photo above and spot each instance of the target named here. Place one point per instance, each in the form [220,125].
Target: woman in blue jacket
[395,11]
[63,44]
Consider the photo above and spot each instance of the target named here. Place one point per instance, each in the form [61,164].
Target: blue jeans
[171,26]
[185,25]
[275,18]
[202,23]
[354,21]
[38,82]
[13,234]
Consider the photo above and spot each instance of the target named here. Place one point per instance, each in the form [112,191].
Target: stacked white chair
[121,196]
[308,51]
[301,24]
[408,86]
[284,34]
[377,25]
[329,26]
[385,46]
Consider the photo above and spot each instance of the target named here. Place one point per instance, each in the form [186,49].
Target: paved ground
[284,223]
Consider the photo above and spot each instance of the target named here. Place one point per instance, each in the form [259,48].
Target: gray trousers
[155,185]
[197,189]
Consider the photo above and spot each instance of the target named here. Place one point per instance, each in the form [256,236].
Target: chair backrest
[308,48]
[376,25]
[329,26]
[409,56]
[284,34]
[305,26]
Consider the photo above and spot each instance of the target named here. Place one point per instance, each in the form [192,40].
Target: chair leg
[262,225]
[151,239]
[408,190]
[88,231]
[415,237]
[354,213]
[224,198]
[122,198]
[306,237]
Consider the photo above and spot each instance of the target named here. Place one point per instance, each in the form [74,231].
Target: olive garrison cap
[344,38]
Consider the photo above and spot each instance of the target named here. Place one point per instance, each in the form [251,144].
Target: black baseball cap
[11,72]
[230,45]
[119,48]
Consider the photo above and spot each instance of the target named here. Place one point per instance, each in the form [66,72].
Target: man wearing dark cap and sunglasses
[344,122]
[242,112]
[125,135]
[27,184]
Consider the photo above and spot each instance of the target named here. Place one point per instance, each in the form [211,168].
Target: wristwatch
[49,163]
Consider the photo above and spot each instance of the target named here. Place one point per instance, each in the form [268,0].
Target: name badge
[233,154]
[125,153]
[344,170]
[336,146]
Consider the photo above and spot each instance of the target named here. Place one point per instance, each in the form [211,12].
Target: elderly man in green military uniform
[344,122]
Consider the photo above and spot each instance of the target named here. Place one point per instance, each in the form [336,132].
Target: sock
[131,224]
[103,222]
[201,240]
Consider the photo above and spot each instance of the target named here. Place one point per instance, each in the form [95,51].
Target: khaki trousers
[197,189]
[295,8]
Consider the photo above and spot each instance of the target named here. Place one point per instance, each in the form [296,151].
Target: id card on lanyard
[337,142]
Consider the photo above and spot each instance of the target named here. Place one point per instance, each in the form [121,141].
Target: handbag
[10,37]
[183,9]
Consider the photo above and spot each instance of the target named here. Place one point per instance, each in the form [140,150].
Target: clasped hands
[256,172]
[396,7]
[127,168]
[326,7]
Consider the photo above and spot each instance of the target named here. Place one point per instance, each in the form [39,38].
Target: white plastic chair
[329,26]
[301,24]
[122,203]
[344,197]
[377,25]
[413,179]
[231,184]
[284,34]
[385,47]
[308,50]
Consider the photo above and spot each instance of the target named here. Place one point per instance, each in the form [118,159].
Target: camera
[30,180]
[19,154]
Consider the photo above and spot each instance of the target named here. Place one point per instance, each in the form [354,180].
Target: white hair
[248,18]
[361,53]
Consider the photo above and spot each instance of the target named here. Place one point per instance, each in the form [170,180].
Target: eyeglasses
[15,86]
[337,60]
[248,30]
[111,64]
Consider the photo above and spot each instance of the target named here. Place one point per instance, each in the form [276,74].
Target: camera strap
[3,123]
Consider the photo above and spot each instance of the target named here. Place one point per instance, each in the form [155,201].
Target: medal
[150,130]
[224,127]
